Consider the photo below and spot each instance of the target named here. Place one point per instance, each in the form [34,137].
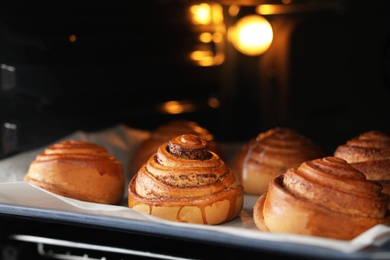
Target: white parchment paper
[122,141]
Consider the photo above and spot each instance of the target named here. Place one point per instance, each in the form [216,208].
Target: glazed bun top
[167,131]
[269,154]
[368,146]
[80,170]
[183,181]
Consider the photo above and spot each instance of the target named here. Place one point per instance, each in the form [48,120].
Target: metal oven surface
[51,223]
[48,222]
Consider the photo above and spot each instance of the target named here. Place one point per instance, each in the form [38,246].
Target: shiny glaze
[189,188]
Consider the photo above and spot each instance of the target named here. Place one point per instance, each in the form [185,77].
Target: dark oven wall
[326,73]
[340,72]
[124,62]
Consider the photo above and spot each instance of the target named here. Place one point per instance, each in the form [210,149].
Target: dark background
[327,73]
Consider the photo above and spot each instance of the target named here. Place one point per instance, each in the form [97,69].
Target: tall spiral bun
[185,182]
[167,131]
[370,153]
[269,154]
[324,197]
[79,170]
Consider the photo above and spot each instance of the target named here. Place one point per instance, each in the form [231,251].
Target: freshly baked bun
[370,154]
[167,131]
[185,182]
[325,197]
[79,170]
[269,154]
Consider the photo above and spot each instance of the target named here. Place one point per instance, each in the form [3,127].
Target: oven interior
[89,65]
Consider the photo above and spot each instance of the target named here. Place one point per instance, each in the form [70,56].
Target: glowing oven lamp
[251,35]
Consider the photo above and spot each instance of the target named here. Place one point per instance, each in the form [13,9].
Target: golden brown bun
[370,154]
[271,154]
[324,197]
[185,182]
[79,170]
[164,133]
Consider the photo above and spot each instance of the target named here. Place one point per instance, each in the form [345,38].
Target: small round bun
[167,131]
[269,154]
[369,153]
[79,170]
[185,182]
[324,197]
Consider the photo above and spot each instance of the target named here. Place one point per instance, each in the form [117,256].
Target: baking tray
[25,200]
[21,199]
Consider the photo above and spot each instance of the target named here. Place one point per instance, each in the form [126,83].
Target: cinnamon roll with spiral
[324,197]
[186,182]
[79,170]
[164,133]
[269,154]
[370,153]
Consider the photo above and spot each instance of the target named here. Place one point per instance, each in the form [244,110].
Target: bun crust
[269,154]
[79,170]
[370,154]
[167,131]
[185,182]
[324,197]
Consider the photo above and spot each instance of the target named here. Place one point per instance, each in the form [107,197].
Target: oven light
[177,107]
[251,35]
[72,38]
[208,25]
[201,14]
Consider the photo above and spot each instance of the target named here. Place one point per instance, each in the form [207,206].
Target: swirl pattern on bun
[269,154]
[79,170]
[167,131]
[324,197]
[185,182]
[369,153]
